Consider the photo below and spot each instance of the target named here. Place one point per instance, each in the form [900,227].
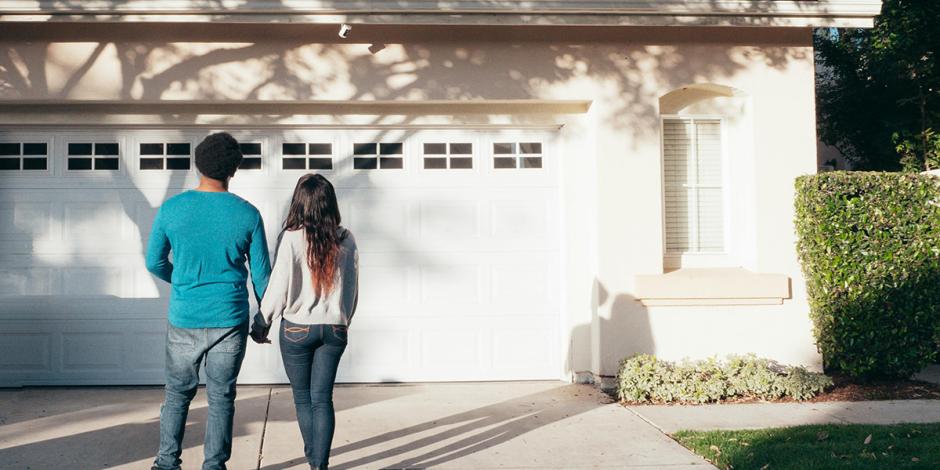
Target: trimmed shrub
[869,244]
[646,379]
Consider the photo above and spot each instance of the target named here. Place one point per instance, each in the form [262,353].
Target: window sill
[712,286]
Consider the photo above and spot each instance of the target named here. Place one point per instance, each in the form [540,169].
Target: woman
[314,286]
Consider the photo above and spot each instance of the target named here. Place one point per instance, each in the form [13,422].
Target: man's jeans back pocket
[234,341]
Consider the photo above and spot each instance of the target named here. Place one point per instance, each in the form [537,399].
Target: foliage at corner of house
[646,379]
[878,90]
[869,245]
[819,446]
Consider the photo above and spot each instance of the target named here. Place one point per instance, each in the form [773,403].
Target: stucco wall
[612,162]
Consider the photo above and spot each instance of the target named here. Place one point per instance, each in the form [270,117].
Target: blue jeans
[222,351]
[311,355]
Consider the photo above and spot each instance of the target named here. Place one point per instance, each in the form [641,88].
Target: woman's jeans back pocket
[340,332]
[295,333]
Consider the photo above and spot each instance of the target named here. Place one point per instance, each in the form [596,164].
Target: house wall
[612,163]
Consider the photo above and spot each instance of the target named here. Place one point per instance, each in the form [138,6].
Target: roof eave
[802,13]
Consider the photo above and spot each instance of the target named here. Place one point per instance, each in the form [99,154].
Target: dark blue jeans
[311,354]
[222,351]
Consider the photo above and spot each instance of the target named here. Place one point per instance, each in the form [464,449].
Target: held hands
[259,336]
[259,330]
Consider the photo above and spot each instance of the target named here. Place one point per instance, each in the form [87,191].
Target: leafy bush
[869,244]
[646,379]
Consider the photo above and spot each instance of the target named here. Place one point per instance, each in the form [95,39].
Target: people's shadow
[127,443]
[476,430]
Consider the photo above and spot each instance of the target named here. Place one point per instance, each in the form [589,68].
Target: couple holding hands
[313,288]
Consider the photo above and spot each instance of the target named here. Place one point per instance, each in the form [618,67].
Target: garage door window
[165,156]
[93,156]
[378,156]
[307,156]
[251,153]
[517,155]
[27,156]
[455,156]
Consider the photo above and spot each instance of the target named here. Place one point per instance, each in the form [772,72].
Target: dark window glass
[251,148]
[365,149]
[151,149]
[34,149]
[79,164]
[177,163]
[177,149]
[392,163]
[106,163]
[435,149]
[9,163]
[321,163]
[461,149]
[250,164]
[395,148]
[320,149]
[461,163]
[107,149]
[151,163]
[365,163]
[435,163]
[503,148]
[293,164]
[34,164]
[293,149]
[532,162]
[79,149]
[9,149]
[530,147]
[504,162]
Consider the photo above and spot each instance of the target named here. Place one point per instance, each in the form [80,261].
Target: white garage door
[457,230]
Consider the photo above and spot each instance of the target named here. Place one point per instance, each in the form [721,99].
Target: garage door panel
[26,221]
[26,352]
[443,350]
[524,348]
[150,347]
[454,283]
[84,351]
[23,281]
[449,221]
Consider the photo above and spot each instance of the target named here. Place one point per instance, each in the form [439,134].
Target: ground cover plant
[646,379]
[819,446]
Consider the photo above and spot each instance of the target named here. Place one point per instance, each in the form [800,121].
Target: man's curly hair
[218,156]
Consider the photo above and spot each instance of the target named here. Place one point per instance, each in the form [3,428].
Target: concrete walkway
[543,425]
[670,419]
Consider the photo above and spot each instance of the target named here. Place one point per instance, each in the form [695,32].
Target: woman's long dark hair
[314,209]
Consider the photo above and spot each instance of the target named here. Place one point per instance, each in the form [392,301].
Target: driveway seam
[647,421]
[264,427]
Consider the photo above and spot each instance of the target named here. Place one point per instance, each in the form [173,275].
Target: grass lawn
[819,446]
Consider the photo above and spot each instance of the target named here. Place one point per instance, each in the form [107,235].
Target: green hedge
[646,379]
[869,244]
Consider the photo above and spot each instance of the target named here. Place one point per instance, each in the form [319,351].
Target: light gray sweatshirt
[290,290]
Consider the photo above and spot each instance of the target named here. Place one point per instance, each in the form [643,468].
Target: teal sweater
[211,236]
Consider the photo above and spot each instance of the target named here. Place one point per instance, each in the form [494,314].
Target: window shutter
[694,201]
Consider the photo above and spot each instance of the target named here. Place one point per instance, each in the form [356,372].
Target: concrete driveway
[544,425]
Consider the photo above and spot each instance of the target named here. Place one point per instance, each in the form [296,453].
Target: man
[211,233]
